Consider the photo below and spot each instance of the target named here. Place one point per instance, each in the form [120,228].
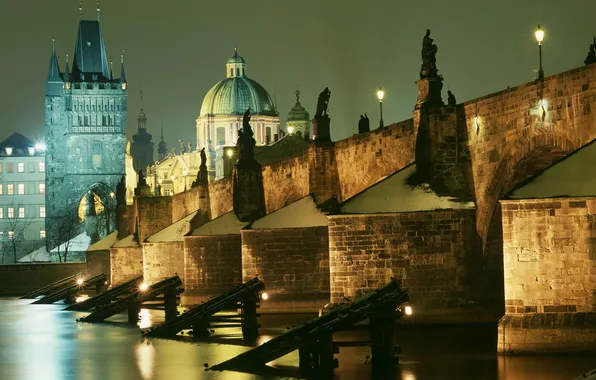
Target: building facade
[22,197]
[84,127]
[223,107]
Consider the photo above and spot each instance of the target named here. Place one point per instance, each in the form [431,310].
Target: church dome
[235,94]
[298,113]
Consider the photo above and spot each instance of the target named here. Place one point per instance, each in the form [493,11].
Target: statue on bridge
[451,99]
[429,60]
[591,58]
[121,192]
[323,103]
[363,124]
[245,143]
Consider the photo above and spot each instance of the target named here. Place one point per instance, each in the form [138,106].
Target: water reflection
[41,342]
[145,355]
[145,319]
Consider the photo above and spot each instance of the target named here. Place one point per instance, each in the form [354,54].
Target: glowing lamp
[185,171]
[230,153]
[80,281]
[264,296]
[143,287]
[40,147]
[290,130]
[380,94]
[112,194]
[9,150]
[173,177]
[160,181]
[408,310]
[539,34]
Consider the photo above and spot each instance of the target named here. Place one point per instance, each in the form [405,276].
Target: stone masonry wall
[292,262]
[220,197]
[365,158]
[98,262]
[154,214]
[432,253]
[126,264]
[212,265]
[549,256]
[161,260]
[22,278]
[185,203]
[286,181]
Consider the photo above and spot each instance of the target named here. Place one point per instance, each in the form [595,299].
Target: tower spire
[122,74]
[111,68]
[54,71]
[98,9]
[141,98]
[80,10]
[67,71]
[162,129]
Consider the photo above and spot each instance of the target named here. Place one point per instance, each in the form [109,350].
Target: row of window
[21,167]
[42,235]
[86,121]
[10,212]
[41,189]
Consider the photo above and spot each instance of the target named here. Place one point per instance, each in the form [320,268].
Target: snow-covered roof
[39,255]
[174,232]
[79,243]
[105,243]
[127,242]
[393,194]
[227,224]
[302,213]
[573,176]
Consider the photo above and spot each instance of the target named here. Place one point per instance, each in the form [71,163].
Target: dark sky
[177,50]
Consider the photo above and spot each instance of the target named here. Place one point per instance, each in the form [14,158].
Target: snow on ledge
[38,256]
[226,224]
[393,194]
[302,213]
[174,232]
[573,176]
[127,242]
[104,244]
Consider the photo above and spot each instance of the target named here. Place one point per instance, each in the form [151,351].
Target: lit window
[42,188]
[1,189]
[10,235]
[21,212]
[42,167]
[31,151]
[42,234]
[10,189]
[1,167]
[10,213]
[21,167]
[42,211]
[10,168]
[8,150]
[21,189]
[1,213]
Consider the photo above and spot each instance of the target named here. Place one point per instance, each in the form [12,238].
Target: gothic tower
[84,129]
[141,149]
[162,149]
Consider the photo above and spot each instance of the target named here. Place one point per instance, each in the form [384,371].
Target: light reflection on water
[41,342]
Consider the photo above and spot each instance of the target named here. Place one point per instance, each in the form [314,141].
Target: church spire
[98,9]
[142,118]
[162,148]
[54,71]
[111,69]
[122,74]
[67,71]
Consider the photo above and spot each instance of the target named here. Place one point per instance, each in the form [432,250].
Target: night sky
[177,51]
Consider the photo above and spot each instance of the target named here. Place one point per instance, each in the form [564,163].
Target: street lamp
[539,34]
[230,153]
[380,96]
[290,129]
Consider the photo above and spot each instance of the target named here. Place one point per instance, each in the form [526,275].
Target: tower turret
[141,149]
[54,81]
[162,149]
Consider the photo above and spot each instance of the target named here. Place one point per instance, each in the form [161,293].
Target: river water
[41,342]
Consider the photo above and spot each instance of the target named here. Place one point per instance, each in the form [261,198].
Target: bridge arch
[104,206]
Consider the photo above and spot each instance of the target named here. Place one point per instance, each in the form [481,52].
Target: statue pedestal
[321,130]
[429,92]
[248,193]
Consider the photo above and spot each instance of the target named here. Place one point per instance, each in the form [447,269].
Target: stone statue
[203,158]
[323,103]
[363,124]
[591,58]
[245,143]
[429,60]
[121,192]
[451,99]
[142,186]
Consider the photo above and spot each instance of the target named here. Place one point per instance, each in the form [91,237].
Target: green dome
[298,113]
[234,95]
[236,59]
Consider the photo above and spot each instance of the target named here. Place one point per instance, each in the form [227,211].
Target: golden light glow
[143,287]
[112,194]
[408,310]
[124,86]
[81,298]
[80,281]
[230,153]
[539,34]
[160,181]
[290,129]
[264,296]
[173,177]
[185,171]
[380,94]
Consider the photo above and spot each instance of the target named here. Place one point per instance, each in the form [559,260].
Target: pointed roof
[54,71]
[122,73]
[18,142]
[104,244]
[226,224]
[174,232]
[90,52]
[67,71]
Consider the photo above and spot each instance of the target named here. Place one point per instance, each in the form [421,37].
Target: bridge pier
[133,312]
[382,341]
[170,304]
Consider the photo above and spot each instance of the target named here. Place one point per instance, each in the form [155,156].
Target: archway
[97,209]
[525,159]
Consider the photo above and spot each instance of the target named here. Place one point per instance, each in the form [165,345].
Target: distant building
[298,120]
[223,107]
[22,197]
[141,149]
[84,130]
